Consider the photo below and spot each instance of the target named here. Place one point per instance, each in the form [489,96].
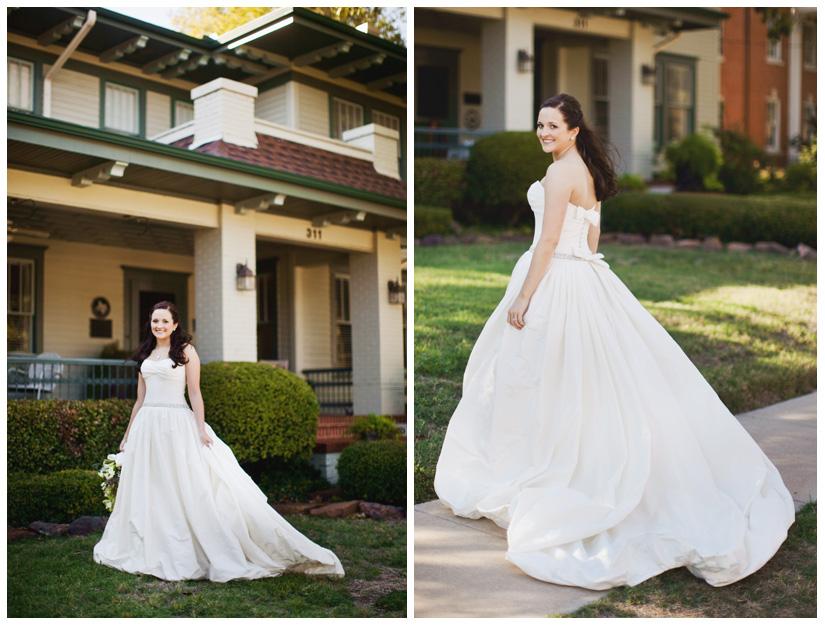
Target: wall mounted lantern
[246,278]
[648,75]
[525,61]
[397,292]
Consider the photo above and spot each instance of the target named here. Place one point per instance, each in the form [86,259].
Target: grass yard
[57,577]
[748,322]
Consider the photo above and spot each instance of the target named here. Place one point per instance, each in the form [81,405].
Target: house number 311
[313,233]
[580,22]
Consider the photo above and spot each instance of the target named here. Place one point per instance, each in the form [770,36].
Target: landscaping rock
[295,508]
[456,227]
[771,246]
[609,238]
[468,238]
[450,239]
[632,239]
[688,243]
[712,243]
[432,240]
[337,509]
[17,534]
[738,246]
[50,530]
[86,524]
[485,239]
[805,252]
[373,510]
[662,241]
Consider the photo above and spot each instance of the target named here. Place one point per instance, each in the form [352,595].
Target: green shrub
[748,219]
[438,182]
[59,497]
[500,170]
[631,182]
[375,471]
[260,411]
[799,177]
[695,159]
[431,221]
[48,435]
[286,481]
[741,162]
[373,427]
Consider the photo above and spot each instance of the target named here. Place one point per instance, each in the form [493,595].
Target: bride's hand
[123,444]
[206,439]
[515,316]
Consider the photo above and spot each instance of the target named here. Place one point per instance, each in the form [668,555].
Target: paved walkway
[460,569]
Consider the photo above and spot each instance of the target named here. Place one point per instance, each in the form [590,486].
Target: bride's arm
[141,394]
[557,190]
[193,382]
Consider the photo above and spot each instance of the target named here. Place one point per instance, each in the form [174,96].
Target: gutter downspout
[91,17]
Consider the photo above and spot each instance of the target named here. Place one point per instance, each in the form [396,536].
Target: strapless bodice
[165,385]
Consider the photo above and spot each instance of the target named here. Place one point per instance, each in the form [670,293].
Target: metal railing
[333,388]
[70,379]
[446,143]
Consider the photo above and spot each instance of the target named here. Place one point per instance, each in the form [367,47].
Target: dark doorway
[267,295]
[148,299]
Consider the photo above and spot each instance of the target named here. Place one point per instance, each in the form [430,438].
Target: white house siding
[312,106]
[313,323]
[271,105]
[77,273]
[75,97]
[158,113]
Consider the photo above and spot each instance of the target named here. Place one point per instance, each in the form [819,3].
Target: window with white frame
[774,46]
[388,121]
[343,322]
[122,109]
[809,44]
[20,84]
[19,305]
[184,112]
[809,121]
[674,98]
[345,116]
[772,125]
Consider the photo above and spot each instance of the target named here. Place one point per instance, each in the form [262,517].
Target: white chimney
[382,142]
[225,110]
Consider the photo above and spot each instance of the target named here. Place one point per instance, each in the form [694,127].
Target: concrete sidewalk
[460,569]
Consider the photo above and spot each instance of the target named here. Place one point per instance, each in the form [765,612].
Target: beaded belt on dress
[584,256]
[165,405]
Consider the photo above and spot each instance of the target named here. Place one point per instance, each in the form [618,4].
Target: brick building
[768,89]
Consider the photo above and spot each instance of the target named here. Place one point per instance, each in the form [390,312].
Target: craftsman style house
[256,179]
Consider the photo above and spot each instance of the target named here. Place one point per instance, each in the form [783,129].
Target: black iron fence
[333,388]
[44,377]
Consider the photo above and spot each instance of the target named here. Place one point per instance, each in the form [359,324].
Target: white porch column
[631,102]
[794,88]
[507,94]
[377,330]
[225,318]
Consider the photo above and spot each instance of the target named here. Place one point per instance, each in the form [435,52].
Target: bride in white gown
[584,429]
[184,508]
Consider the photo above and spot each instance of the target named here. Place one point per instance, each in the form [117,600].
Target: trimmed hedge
[500,170]
[373,427]
[260,411]
[431,221]
[286,481]
[375,471]
[438,182]
[48,435]
[58,498]
[748,219]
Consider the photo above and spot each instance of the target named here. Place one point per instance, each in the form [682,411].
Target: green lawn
[57,577]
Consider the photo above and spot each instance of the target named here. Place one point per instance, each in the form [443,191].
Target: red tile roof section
[296,158]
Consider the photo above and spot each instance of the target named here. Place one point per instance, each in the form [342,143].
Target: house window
[601,101]
[20,305]
[345,116]
[20,85]
[774,46]
[343,322]
[388,121]
[809,44]
[184,112]
[122,110]
[674,98]
[772,125]
[809,122]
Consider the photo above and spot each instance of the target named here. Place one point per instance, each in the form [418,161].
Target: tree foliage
[205,21]
[779,21]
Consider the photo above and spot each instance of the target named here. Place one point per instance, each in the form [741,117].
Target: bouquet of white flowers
[110,473]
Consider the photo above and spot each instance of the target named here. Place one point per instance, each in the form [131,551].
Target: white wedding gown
[186,511]
[594,440]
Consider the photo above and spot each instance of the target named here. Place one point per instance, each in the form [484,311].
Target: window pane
[122,108]
[184,112]
[19,82]
[19,333]
[19,305]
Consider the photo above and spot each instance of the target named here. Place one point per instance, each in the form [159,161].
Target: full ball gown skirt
[594,440]
[184,511]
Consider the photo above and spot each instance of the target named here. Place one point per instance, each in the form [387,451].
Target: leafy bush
[373,427]
[741,162]
[260,411]
[799,177]
[375,471]
[48,435]
[631,182]
[749,219]
[286,481]
[431,221]
[59,497]
[500,170]
[695,161]
[438,182]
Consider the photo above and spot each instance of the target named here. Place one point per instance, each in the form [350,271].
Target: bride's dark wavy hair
[179,339]
[590,145]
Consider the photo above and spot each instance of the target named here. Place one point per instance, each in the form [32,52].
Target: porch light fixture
[525,61]
[246,278]
[648,75]
[397,292]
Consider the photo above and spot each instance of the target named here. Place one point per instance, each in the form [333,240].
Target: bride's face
[552,130]
[162,324]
